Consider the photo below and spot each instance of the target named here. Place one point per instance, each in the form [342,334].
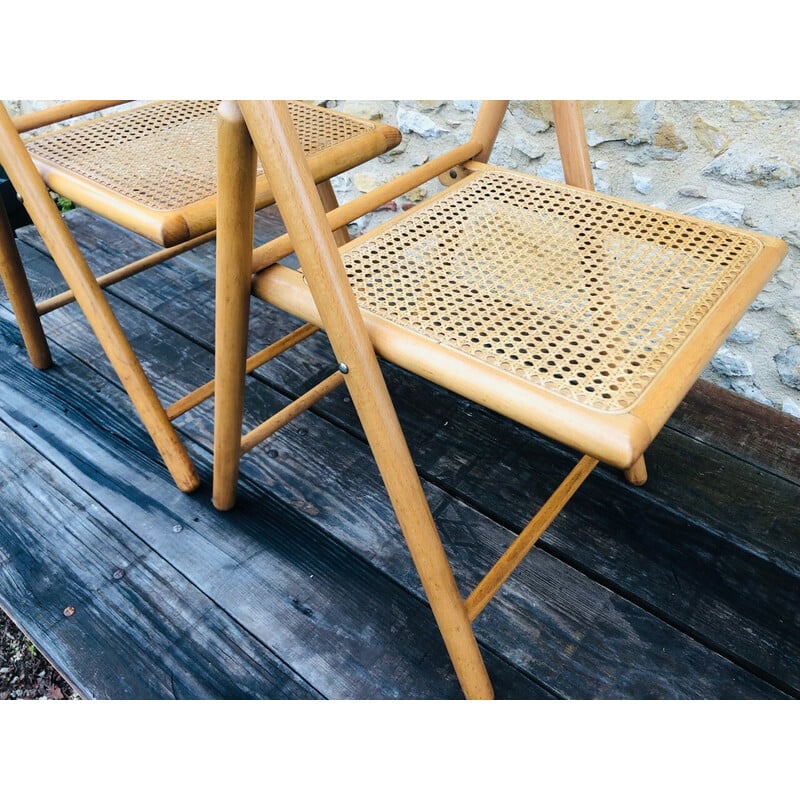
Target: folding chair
[582,316]
[150,168]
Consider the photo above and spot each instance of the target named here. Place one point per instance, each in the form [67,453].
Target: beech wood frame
[192,228]
[322,296]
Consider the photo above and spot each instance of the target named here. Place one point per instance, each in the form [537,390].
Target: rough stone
[747,388]
[533,116]
[601,185]
[417,152]
[551,171]
[643,184]
[410,120]
[366,181]
[417,194]
[765,300]
[369,109]
[788,363]
[744,165]
[742,335]
[342,185]
[743,112]
[667,144]
[425,105]
[790,310]
[610,121]
[791,407]
[619,120]
[699,192]
[639,157]
[726,212]
[528,147]
[727,363]
[710,137]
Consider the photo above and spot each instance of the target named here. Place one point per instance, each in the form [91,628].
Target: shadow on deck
[685,588]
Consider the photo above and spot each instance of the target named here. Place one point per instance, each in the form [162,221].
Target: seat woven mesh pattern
[163,155]
[577,293]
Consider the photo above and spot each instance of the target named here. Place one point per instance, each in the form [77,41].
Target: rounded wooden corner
[174,230]
[391,136]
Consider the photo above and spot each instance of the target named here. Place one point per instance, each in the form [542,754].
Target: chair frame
[265,129]
[174,236]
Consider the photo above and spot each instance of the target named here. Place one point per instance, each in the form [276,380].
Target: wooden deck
[685,588]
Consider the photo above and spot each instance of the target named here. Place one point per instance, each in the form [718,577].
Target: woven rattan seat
[580,300]
[580,315]
[578,294]
[151,168]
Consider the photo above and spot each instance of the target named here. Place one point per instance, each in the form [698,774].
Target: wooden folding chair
[580,315]
[152,169]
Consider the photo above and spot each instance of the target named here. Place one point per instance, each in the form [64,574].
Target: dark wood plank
[733,496]
[663,546]
[328,614]
[751,431]
[139,629]
[608,531]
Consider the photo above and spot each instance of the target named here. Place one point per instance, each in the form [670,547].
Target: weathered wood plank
[769,439]
[730,495]
[139,629]
[711,583]
[475,545]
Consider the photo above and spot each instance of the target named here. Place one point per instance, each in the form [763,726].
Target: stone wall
[732,161]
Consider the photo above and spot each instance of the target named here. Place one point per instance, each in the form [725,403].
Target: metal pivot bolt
[343,368]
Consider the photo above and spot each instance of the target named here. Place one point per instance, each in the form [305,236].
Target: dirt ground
[25,674]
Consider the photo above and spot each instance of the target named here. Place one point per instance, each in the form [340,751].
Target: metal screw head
[69,611]
[117,574]
[343,368]
[177,528]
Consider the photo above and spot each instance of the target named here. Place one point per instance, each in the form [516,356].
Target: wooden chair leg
[381,426]
[237,173]
[637,474]
[94,304]
[329,202]
[271,128]
[21,297]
